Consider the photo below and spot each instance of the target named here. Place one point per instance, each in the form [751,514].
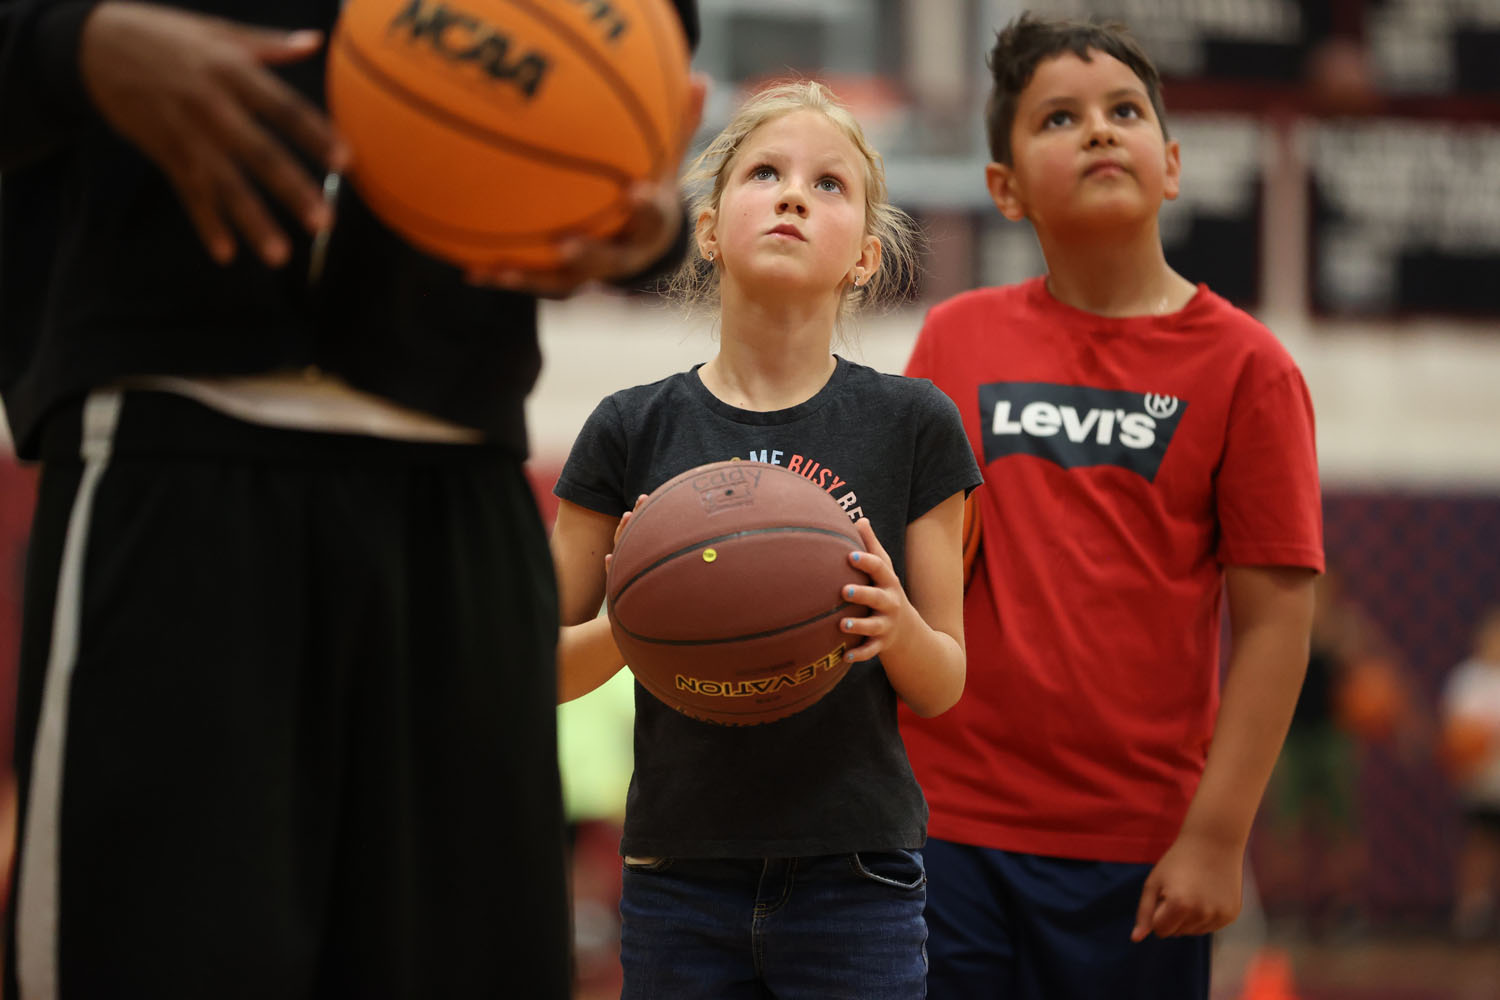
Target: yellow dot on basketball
[709,555]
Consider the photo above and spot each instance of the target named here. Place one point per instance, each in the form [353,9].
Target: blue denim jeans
[839,926]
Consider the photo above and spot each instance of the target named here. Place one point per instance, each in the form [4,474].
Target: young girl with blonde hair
[783,859]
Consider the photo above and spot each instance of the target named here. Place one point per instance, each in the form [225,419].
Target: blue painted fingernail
[848,624]
[849,593]
[855,557]
[848,657]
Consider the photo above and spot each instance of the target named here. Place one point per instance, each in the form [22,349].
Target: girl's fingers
[866,650]
[625,517]
[867,533]
[872,566]
[878,598]
[873,561]
[879,601]
[870,633]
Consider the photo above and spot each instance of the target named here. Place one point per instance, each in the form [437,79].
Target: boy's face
[1087,149]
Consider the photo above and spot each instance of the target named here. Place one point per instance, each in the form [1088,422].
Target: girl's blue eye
[762,173]
[834,184]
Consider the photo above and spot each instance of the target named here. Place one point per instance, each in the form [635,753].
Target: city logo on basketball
[1079,426]
[458,36]
[726,488]
[761,685]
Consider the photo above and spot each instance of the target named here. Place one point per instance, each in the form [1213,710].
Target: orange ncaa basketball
[725,592]
[484,131]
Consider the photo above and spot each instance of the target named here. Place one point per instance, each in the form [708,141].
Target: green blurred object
[594,749]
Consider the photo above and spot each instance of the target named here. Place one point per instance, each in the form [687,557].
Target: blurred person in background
[1315,860]
[286,718]
[1471,751]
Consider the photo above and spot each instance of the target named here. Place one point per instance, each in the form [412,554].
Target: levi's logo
[1078,426]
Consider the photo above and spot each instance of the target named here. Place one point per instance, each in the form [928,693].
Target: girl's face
[1086,147]
[792,213]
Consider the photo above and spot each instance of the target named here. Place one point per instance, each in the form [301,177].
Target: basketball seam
[480,238]
[746,637]
[681,479]
[718,539]
[363,63]
[610,75]
[675,93]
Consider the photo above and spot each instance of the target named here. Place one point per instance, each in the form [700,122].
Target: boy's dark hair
[1024,43]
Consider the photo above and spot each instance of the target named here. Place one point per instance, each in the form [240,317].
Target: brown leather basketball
[726,592]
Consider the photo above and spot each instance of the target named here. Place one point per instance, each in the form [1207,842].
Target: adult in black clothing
[286,710]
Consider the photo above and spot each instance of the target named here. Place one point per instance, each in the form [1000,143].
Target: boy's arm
[1195,888]
[586,651]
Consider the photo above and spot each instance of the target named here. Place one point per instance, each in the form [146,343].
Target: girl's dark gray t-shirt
[833,778]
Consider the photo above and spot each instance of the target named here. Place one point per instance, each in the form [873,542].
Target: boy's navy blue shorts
[1006,926]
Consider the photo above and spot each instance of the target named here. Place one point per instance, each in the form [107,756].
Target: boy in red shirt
[1147,449]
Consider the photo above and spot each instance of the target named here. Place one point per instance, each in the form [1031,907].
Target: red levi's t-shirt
[1127,461]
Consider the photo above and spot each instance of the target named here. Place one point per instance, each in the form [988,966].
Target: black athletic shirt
[102,275]
[834,777]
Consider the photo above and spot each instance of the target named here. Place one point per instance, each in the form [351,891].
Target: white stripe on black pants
[36,891]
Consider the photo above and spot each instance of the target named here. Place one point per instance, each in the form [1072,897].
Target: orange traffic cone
[1269,977]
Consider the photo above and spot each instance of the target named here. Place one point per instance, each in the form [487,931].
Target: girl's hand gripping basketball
[620,528]
[654,220]
[193,94]
[891,614]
